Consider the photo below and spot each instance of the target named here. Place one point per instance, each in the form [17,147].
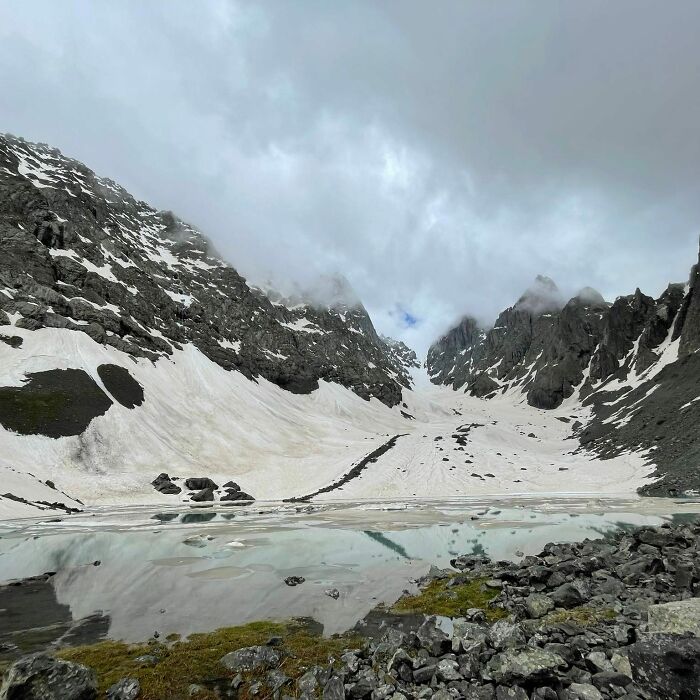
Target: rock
[538,605]
[609,679]
[447,671]
[433,638]
[231,485]
[125,689]
[332,593]
[200,483]
[294,580]
[510,693]
[676,617]
[597,662]
[252,659]
[203,495]
[567,596]
[527,665]
[275,680]
[504,634]
[41,677]
[232,495]
[583,691]
[164,484]
[667,666]
[334,689]
[146,660]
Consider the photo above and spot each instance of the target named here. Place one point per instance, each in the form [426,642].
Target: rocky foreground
[612,618]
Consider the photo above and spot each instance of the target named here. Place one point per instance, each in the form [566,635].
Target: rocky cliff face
[634,362]
[80,253]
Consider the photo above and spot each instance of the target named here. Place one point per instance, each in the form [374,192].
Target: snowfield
[198,419]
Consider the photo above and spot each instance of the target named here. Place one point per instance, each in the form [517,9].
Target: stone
[125,689]
[200,483]
[676,617]
[42,677]
[567,596]
[294,580]
[252,659]
[538,605]
[667,666]
[528,665]
[432,637]
[332,593]
[583,691]
[203,495]
[504,634]
[514,692]
[334,689]
[447,671]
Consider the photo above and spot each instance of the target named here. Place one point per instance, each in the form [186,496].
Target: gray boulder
[677,617]
[42,677]
[667,666]
[528,665]
[252,659]
[125,689]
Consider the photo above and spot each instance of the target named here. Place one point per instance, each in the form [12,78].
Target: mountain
[633,363]
[96,286]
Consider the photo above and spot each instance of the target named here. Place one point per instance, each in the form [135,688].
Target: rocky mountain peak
[542,296]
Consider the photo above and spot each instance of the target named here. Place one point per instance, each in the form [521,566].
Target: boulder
[125,689]
[527,665]
[203,495]
[42,677]
[677,617]
[252,659]
[538,605]
[667,666]
[200,483]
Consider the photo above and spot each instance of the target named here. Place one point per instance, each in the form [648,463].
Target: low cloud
[438,161]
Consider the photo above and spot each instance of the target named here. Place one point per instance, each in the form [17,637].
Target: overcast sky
[439,155]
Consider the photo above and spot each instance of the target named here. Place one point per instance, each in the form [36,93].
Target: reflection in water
[151,578]
[383,539]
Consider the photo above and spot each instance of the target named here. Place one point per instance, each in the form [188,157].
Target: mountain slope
[633,364]
[114,317]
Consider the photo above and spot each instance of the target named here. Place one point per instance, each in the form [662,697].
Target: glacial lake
[129,572]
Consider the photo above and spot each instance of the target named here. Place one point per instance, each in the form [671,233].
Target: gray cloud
[439,157]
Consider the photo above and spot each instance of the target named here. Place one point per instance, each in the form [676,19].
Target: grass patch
[196,659]
[441,598]
[584,615]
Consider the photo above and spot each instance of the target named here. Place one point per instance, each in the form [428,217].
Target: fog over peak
[436,160]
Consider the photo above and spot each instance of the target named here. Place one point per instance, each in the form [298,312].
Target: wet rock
[332,593]
[294,580]
[233,495]
[125,689]
[232,486]
[252,659]
[42,677]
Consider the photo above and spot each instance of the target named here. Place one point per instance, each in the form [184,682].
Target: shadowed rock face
[80,253]
[121,385]
[56,403]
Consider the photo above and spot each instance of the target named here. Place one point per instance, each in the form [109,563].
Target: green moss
[441,598]
[196,659]
[584,615]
